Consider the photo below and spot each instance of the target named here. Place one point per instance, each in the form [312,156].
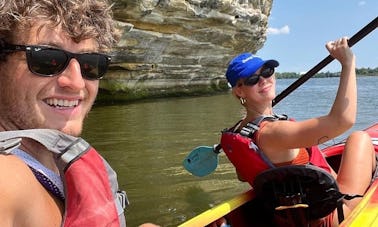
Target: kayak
[243,209]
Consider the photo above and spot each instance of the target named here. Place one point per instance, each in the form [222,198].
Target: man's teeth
[62,103]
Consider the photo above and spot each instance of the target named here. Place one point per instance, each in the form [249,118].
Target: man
[51,59]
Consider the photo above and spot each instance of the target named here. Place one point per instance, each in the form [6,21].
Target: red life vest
[91,188]
[248,159]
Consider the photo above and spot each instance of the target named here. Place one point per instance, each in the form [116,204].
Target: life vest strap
[254,126]
[72,153]
[7,146]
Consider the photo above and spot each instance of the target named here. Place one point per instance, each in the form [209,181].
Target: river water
[146,142]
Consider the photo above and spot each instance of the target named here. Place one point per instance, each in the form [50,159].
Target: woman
[282,141]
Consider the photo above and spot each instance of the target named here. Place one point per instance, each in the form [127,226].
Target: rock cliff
[180,47]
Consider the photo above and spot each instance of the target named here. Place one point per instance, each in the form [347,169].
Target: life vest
[91,193]
[309,188]
[247,157]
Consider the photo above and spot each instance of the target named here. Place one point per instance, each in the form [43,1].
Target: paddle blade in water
[201,161]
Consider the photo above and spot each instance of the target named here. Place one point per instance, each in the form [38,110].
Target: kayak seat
[299,193]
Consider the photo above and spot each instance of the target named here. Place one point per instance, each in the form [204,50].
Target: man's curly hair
[81,19]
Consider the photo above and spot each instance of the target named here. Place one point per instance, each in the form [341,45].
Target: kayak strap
[299,193]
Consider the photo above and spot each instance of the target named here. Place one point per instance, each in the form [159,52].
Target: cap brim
[271,63]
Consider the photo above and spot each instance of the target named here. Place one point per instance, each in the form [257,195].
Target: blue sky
[299,29]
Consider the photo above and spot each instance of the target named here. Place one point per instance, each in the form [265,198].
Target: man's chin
[72,132]
[73,129]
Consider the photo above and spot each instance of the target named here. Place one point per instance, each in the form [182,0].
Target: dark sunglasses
[47,61]
[265,72]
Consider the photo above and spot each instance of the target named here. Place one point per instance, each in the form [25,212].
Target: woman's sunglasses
[47,61]
[266,72]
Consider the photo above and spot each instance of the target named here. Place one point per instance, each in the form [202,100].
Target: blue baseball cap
[244,65]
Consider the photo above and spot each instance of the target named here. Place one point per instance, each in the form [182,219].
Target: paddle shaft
[353,40]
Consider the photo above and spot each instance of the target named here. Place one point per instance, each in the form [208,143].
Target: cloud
[361,3]
[279,31]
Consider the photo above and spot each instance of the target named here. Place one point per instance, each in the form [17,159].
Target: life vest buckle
[122,199]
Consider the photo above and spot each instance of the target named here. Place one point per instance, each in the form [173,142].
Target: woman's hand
[339,49]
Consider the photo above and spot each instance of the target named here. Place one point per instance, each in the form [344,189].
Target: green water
[146,143]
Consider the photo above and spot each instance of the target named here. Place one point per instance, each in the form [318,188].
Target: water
[146,143]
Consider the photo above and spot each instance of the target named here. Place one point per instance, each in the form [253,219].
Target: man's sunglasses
[48,61]
[266,72]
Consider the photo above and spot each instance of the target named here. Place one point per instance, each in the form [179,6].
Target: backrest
[298,186]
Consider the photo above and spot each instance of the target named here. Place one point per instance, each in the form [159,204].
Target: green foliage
[359,72]
[367,71]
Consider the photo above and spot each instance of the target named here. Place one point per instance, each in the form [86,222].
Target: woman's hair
[80,19]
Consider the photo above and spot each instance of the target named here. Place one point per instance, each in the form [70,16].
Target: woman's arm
[286,134]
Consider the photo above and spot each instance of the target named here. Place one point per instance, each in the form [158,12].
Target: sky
[299,29]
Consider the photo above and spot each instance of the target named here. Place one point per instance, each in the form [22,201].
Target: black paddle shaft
[353,40]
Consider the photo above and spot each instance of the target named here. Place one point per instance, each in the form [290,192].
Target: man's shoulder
[13,166]
[15,178]
[15,175]
[22,197]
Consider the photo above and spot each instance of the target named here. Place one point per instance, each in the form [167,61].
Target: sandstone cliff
[181,47]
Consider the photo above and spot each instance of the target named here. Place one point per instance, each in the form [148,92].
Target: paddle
[203,160]
[353,40]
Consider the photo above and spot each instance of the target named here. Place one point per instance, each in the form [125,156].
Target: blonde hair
[80,19]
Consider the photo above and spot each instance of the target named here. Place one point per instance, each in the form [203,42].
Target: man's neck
[39,152]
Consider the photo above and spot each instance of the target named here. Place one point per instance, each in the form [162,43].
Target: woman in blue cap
[283,142]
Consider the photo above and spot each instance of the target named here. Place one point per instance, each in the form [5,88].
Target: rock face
[179,47]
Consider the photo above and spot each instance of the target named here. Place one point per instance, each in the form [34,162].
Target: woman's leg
[356,168]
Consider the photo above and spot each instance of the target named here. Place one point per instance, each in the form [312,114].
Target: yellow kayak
[244,211]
